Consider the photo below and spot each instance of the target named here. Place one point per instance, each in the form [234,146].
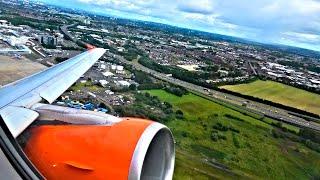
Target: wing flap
[18,118]
[52,89]
[57,86]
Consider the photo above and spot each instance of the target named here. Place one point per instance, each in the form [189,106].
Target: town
[183,78]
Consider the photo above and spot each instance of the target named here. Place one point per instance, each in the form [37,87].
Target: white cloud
[262,20]
[302,37]
[199,6]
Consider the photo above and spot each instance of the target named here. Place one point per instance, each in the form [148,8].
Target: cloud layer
[290,22]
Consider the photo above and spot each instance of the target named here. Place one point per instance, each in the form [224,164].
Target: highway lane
[64,30]
[255,107]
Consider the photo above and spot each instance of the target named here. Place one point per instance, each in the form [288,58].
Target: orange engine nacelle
[129,149]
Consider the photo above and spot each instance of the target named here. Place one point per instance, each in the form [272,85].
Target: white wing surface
[17,98]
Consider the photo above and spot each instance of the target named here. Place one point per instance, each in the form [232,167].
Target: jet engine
[94,145]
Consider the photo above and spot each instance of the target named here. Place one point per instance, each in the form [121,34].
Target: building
[107,74]
[16,41]
[120,70]
[103,83]
[123,83]
[48,40]
[4,22]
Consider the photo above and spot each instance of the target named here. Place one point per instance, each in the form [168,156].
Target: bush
[215,136]
[222,127]
[133,87]
[235,140]
[179,114]
[312,145]
[233,117]
[310,134]
[184,134]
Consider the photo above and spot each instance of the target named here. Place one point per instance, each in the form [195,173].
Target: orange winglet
[89,46]
[85,151]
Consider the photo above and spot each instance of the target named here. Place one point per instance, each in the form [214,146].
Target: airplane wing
[17,98]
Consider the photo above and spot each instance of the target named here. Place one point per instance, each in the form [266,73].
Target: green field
[247,149]
[279,93]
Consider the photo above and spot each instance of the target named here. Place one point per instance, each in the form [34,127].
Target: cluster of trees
[34,23]
[161,112]
[310,134]
[197,78]
[298,65]
[146,83]
[220,127]
[294,64]
[233,117]
[314,69]
[310,138]
[131,52]
[215,136]
[178,91]
[90,40]
[283,128]
[141,77]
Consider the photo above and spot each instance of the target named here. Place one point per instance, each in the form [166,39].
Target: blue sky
[289,22]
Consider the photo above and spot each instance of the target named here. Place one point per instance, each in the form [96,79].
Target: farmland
[279,93]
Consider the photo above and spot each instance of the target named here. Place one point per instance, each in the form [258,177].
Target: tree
[147,95]
[133,87]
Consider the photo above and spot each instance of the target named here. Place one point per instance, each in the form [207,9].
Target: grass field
[246,150]
[279,93]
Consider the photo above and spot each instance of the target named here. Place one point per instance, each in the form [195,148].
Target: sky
[287,22]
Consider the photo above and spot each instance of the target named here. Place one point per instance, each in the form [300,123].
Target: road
[252,106]
[64,30]
[252,68]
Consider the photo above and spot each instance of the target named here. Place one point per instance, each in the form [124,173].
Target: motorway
[64,30]
[252,106]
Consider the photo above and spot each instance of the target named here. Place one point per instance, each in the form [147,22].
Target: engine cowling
[127,149]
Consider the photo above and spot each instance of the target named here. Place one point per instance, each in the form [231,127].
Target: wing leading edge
[18,97]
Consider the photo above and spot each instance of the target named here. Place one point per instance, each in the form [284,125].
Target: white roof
[315,81]
[103,82]
[124,83]
[108,73]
